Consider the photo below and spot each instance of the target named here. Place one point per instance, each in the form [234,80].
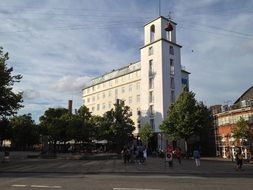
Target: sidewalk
[209,166]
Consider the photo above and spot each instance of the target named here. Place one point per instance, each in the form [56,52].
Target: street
[21,173]
[122,182]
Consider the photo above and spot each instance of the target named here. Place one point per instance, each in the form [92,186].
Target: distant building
[148,86]
[226,117]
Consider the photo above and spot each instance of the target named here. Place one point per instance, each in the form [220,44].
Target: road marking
[38,186]
[16,185]
[46,186]
[134,189]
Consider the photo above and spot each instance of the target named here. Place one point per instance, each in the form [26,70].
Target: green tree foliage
[25,132]
[82,126]
[186,117]
[146,132]
[116,126]
[10,102]
[123,125]
[241,130]
[54,124]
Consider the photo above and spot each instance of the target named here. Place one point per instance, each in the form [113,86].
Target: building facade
[148,86]
[225,119]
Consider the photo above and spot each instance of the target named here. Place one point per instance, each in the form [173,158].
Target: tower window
[171,50]
[151,97]
[151,67]
[151,83]
[172,96]
[172,82]
[172,68]
[150,50]
[152,33]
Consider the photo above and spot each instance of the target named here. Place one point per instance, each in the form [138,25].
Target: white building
[148,86]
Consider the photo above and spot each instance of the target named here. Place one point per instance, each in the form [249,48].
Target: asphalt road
[37,181]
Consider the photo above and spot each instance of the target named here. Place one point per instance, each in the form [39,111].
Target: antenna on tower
[169,15]
[159,7]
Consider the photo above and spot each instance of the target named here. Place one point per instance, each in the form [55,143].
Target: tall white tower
[161,75]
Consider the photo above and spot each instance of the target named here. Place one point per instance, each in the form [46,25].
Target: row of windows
[151,50]
[113,82]
[235,118]
[152,71]
[109,105]
[123,89]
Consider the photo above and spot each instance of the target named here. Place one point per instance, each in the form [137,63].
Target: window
[171,50]
[138,98]
[88,100]
[98,107]
[150,50]
[172,82]
[152,33]
[138,86]
[88,90]
[116,81]
[103,106]
[109,93]
[98,86]
[172,68]
[116,93]
[151,83]
[93,109]
[130,88]
[93,98]
[93,88]
[130,100]
[151,110]
[103,95]
[98,96]
[151,67]
[151,97]
[123,89]
[109,105]
[172,96]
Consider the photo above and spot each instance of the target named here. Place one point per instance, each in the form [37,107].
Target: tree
[146,132]
[10,102]
[25,132]
[5,130]
[116,126]
[186,117]
[123,125]
[54,125]
[241,130]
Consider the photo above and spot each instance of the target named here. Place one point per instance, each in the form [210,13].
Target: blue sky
[59,45]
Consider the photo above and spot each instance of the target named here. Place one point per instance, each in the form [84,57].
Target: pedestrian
[126,154]
[196,156]
[239,158]
[145,155]
[178,154]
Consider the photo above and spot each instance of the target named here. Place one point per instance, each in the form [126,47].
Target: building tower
[161,73]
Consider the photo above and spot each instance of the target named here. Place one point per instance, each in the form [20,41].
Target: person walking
[239,158]
[196,156]
[178,154]
[126,154]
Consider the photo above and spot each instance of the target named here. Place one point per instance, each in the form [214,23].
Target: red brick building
[225,118]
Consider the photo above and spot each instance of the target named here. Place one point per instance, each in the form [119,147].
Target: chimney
[70,106]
